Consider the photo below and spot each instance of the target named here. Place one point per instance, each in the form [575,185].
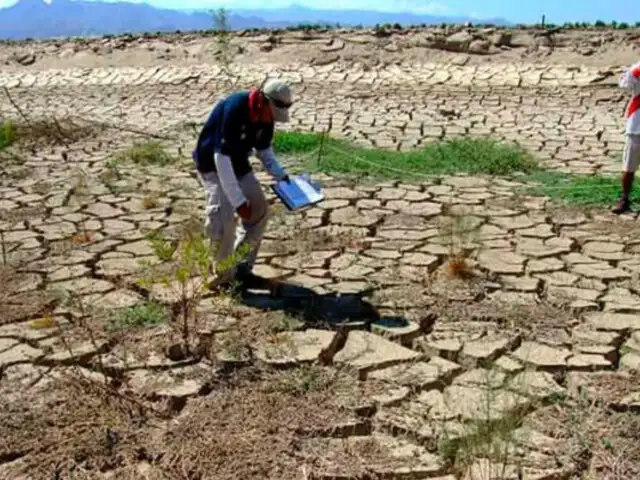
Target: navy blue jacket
[230,132]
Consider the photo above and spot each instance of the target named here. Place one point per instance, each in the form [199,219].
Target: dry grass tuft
[16,304]
[82,238]
[250,426]
[458,267]
[458,234]
[43,323]
[72,423]
[50,132]
[21,214]
[602,443]
[149,202]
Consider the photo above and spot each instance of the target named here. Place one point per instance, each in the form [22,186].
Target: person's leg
[631,159]
[220,225]
[250,233]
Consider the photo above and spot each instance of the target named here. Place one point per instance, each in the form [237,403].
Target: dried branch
[338,342]
[16,106]
[125,129]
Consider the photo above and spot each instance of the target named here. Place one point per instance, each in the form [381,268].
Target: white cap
[280,99]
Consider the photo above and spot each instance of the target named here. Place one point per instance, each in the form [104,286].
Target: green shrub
[145,153]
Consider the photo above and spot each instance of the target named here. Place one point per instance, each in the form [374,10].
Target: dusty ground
[579,47]
[526,369]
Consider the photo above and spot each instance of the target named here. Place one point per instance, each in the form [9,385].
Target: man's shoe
[221,283]
[623,206]
[218,287]
[249,280]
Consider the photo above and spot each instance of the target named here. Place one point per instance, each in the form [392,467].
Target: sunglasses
[280,103]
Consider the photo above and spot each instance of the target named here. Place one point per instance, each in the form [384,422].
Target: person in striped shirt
[630,81]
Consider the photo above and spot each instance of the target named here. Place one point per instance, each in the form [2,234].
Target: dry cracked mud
[528,369]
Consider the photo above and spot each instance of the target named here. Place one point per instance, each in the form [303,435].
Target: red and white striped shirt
[630,81]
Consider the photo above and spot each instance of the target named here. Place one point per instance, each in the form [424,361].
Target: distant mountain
[298,15]
[67,18]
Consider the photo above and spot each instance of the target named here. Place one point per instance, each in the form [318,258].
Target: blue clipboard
[299,193]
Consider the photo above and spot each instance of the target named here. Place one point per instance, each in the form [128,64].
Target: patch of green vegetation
[473,156]
[145,154]
[7,135]
[142,315]
[580,190]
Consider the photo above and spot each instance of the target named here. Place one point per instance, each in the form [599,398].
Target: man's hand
[244,211]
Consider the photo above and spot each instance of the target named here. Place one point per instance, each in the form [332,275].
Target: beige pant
[221,225]
[631,154]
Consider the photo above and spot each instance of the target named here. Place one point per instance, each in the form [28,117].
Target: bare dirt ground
[383,355]
[580,47]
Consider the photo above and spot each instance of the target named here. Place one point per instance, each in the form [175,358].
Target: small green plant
[489,441]
[6,134]
[146,314]
[580,447]
[150,153]
[111,172]
[223,37]
[187,267]
[185,270]
[486,439]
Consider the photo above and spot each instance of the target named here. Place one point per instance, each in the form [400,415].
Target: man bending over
[239,124]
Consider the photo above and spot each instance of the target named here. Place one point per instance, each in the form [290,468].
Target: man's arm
[228,180]
[264,151]
[270,162]
[228,138]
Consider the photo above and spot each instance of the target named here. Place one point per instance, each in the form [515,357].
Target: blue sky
[557,11]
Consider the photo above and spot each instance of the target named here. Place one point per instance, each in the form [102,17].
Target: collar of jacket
[259,111]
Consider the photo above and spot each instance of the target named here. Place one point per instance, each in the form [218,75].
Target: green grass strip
[580,190]
[473,156]
[467,155]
